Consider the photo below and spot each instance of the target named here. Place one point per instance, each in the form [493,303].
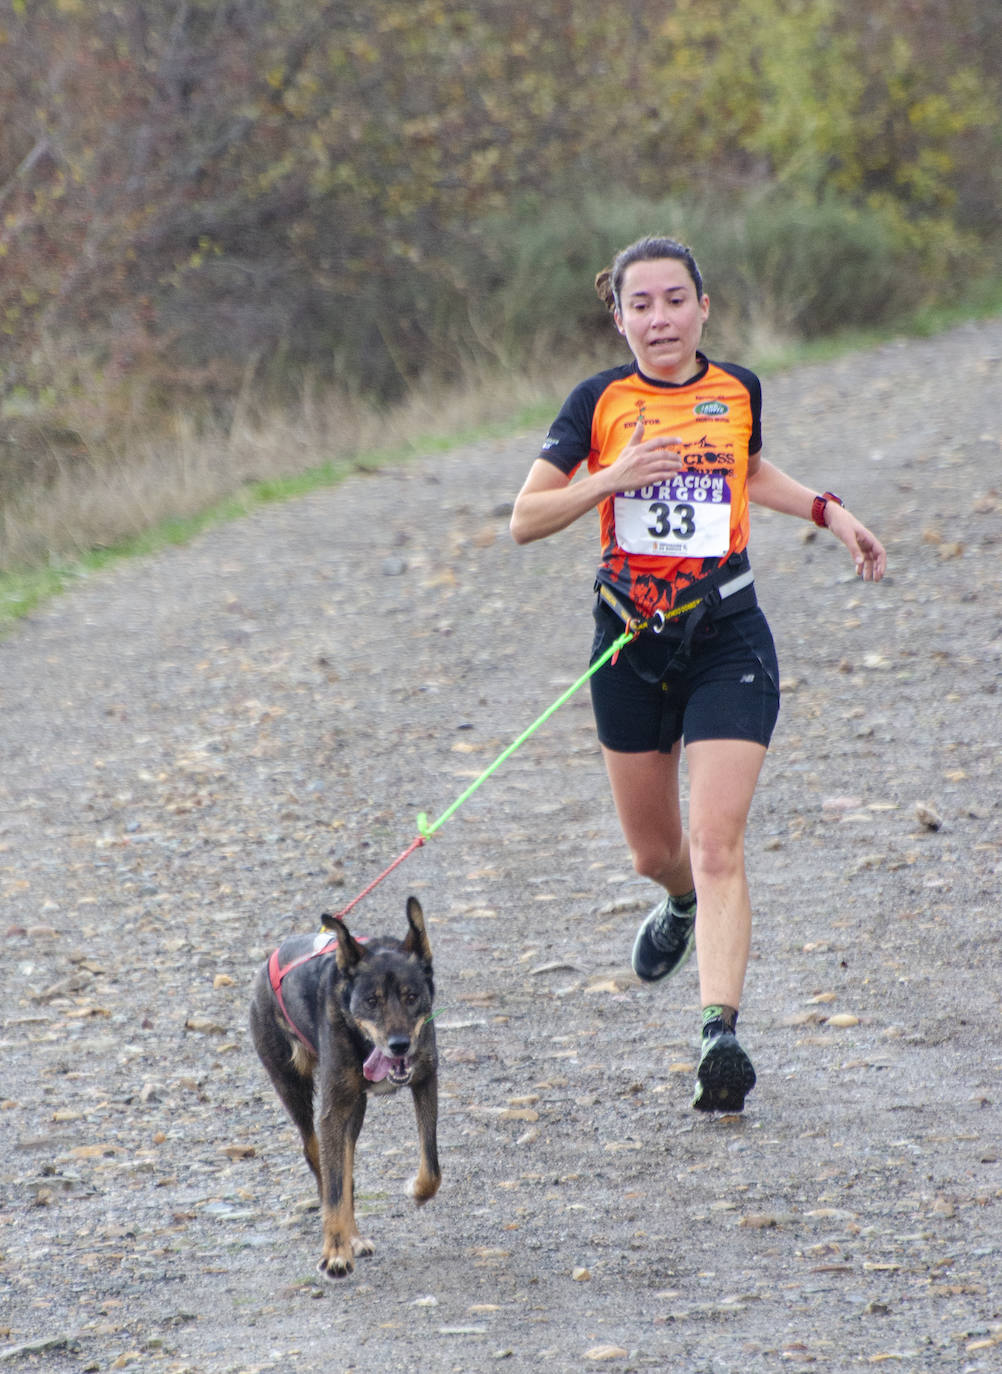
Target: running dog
[341,1018]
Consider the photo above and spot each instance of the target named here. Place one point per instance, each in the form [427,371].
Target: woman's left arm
[769,486]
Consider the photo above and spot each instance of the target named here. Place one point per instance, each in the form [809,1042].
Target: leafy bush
[811,269]
[777,267]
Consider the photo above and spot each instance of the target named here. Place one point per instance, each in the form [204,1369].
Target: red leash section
[416,843]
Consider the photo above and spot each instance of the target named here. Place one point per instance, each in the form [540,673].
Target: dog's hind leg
[296,1091]
[425,1183]
[291,1074]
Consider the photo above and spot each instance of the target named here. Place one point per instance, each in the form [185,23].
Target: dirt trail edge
[204,750]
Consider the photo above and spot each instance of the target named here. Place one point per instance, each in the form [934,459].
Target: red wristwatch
[818,507]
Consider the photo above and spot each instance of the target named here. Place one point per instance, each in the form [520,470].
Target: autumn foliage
[201,190]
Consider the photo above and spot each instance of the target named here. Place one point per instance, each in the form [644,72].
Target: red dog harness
[276,972]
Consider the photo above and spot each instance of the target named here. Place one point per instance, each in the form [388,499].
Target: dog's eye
[409,996]
[372,1002]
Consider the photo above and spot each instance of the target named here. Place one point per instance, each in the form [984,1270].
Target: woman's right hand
[550,501]
[644,462]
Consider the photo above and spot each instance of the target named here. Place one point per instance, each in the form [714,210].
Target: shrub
[776,267]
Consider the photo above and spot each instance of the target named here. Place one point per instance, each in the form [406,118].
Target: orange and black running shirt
[658,541]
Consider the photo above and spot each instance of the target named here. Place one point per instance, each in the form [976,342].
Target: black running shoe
[663,944]
[725,1075]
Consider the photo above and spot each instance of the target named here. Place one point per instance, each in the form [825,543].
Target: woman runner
[671,450]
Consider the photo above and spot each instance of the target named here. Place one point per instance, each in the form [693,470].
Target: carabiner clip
[657,622]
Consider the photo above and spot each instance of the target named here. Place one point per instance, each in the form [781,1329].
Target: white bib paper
[688,516]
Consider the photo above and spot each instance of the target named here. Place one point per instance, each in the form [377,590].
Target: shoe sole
[723,1080]
[660,977]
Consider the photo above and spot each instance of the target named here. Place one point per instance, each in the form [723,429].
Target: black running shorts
[653,696]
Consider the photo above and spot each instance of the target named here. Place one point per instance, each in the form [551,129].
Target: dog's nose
[398,1045]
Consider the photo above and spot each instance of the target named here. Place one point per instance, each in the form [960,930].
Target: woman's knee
[655,859]
[717,855]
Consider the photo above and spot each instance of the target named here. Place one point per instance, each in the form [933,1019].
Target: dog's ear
[347,951]
[417,941]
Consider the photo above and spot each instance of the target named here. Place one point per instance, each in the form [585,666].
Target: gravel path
[204,750]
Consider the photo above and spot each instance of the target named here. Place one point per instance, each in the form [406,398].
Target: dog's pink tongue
[377,1066]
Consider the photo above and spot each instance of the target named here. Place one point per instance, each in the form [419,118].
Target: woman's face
[661,317]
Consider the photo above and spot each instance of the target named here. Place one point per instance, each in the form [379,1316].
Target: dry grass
[103,492]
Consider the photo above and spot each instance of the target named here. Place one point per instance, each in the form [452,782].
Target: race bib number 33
[686,517]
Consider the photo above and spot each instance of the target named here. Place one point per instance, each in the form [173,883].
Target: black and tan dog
[340,1018]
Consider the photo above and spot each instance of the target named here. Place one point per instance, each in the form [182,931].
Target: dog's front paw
[360,1246]
[335,1266]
